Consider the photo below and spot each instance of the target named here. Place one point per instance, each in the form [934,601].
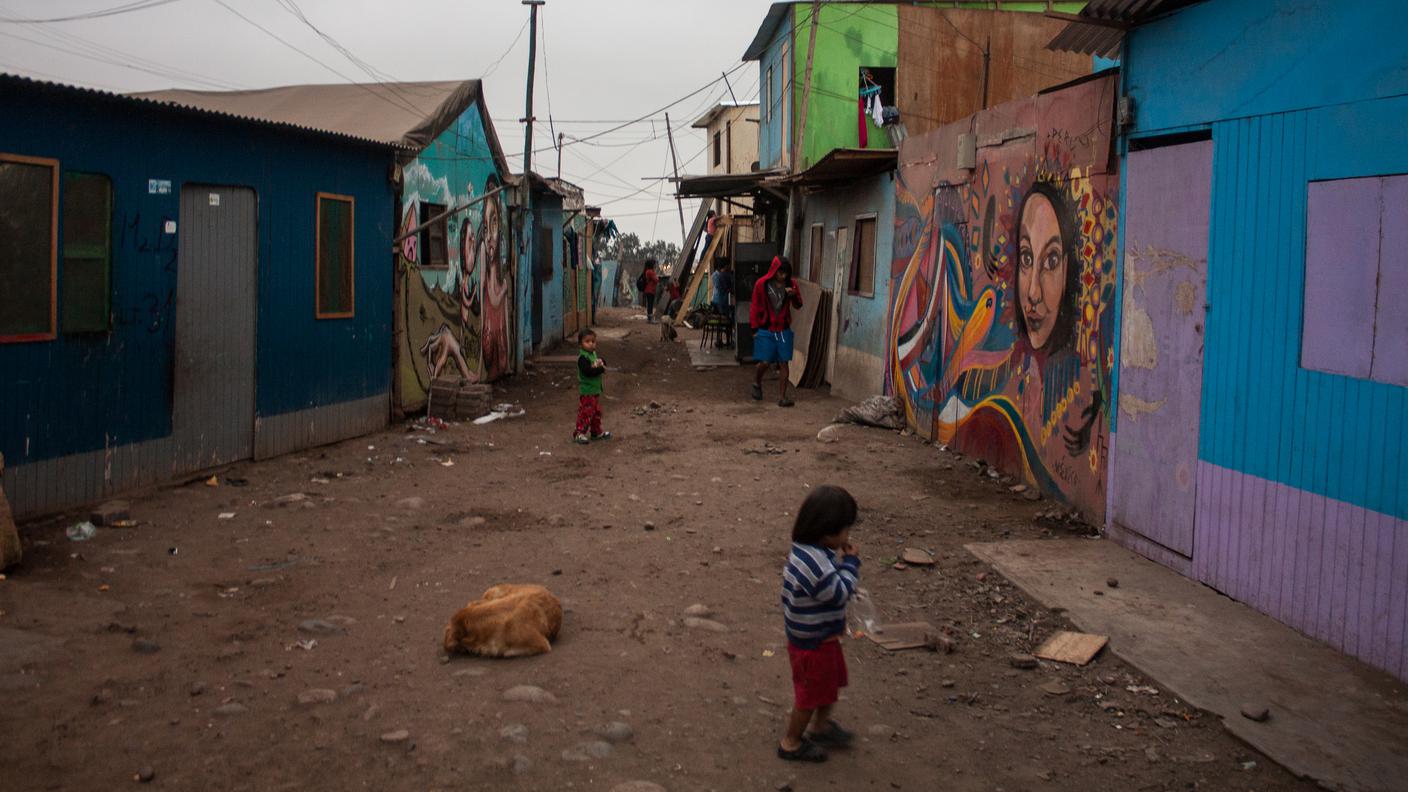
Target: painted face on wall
[1041,269]
[491,228]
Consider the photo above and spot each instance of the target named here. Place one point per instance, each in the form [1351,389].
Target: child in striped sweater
[821,575]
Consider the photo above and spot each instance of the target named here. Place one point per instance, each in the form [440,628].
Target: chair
[716,328]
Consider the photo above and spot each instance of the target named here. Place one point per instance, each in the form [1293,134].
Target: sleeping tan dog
[510,620]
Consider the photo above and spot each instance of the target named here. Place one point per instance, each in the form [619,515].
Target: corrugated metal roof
[1109,21]
[760,42]
[705,120]
[6,77]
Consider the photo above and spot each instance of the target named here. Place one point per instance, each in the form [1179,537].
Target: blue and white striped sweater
[815,590]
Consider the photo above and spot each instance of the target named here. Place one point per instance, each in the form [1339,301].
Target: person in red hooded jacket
[770,316]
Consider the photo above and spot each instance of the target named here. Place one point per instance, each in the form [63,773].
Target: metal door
[216,285]
[1153,470]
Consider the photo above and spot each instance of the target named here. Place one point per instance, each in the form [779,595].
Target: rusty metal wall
[216,290]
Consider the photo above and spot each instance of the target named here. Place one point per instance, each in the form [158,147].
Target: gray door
[1154,467]
[216,279]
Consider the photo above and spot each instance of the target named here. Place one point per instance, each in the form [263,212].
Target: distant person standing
[770,316]
[722,282]
[649,284]
[711,227]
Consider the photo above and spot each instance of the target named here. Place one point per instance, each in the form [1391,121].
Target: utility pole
[679,203]
[527,199]
[559,154]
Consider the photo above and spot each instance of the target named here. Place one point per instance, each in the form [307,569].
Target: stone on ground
[530,694]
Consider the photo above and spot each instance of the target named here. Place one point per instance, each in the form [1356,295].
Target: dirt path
[389,539]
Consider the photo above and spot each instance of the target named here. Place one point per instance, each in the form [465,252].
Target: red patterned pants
[589,415]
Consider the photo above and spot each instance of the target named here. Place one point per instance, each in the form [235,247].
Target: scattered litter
[104,587]
[544,453]
[81,532]
[448,463]
[768,653]
[828,433]
[1072,647]
[500,412]
[916,557]
[319,480]
[226,516]
[213,481]
[172,551]
[392,587]
[305,644]
[879,411]
[1142,689]
[861,615]
[123,524]
[908,635]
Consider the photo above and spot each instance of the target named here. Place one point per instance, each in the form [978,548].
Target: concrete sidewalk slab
[1333,718]
[704,358]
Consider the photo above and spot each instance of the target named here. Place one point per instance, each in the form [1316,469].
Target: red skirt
[817,674]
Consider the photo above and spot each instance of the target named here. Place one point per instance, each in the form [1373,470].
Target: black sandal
[757,391]
[806,752]
[833,737]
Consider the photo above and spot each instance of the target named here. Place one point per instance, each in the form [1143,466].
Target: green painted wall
[849,36]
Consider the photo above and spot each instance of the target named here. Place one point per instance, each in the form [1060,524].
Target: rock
[881,731]
[1165,723]
[320,627]
[617,732]
[514,732]
[472,522]
[916,557]
[233,708]
[317,696]
[649,526]
[398,736]
[557,520]
[1023,661]
[695,623]
[411,503]
[295,499]
[146,773]
[145,646]
[1256,712]
[699,610]
[1056,688]
[1112,582]
[1019,488]
[353,689]
[1032,495]
[110,512]
[947,683]
[597,749]
[198,688]
[638,786]
[371,712]
[530,694]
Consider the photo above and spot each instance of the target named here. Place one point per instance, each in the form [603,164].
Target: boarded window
[1356,273]
[28,252]
[435,250]
[862,279]
[87,270]
[335,298]
[814,254]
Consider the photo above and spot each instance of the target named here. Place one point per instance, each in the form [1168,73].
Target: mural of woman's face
[491,227]
[1041,269]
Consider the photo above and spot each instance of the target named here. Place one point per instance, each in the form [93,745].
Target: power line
[132,63]
[495,65]
[126,8]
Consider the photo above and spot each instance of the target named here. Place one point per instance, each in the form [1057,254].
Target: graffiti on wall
[455,317]
[1001,304]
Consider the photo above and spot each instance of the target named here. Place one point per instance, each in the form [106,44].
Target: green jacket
[588,377]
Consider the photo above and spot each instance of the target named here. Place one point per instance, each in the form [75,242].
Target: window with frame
[29,208]
[335,298]
[718,149]
[814,261]
[767,96]
[1355,315]
[87,253]
[434,242]
[862,280]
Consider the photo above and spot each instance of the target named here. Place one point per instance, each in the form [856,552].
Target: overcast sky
[598,61]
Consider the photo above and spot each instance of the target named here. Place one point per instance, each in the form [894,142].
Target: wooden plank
[908,635]
[1072,647]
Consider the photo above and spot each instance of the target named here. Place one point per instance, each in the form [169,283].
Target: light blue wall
[1285,107]
[549,211]
[1237,58]
[771,139]
[862,318]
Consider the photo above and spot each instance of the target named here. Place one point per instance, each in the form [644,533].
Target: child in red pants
[589,372]
[822,573]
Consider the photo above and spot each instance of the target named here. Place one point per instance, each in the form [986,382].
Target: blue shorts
[772,347]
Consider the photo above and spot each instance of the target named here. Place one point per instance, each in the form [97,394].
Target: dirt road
[294,644]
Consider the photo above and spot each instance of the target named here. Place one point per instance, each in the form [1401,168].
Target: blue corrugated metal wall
[81,393]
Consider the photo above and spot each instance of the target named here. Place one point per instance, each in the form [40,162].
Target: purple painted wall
[1328,568]
[1391,359]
